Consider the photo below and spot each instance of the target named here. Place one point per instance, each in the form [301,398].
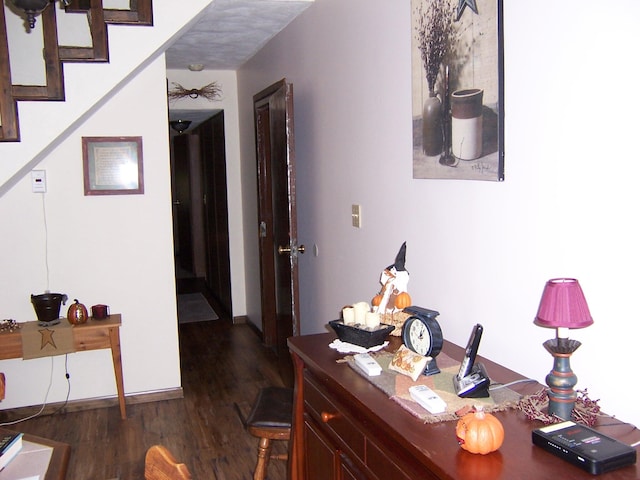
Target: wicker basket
[396,319]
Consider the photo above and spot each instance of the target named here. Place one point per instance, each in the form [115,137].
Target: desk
[346,428]
[57,467]
[93,335]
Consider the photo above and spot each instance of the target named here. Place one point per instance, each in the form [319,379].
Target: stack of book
[10,445]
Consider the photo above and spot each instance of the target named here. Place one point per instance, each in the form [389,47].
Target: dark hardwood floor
[222,365]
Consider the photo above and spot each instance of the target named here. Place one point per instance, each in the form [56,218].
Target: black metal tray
[360,335]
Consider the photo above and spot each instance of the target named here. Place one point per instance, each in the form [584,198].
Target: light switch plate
[38,181]
[356,216]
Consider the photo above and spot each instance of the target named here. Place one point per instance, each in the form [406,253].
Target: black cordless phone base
[474,385]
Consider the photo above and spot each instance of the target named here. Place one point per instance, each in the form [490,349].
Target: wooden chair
[270,419]
[1,386]
[160,464]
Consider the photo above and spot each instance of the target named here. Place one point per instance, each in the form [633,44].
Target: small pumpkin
[402,301]
[479,432]
[375,301]
[77,313]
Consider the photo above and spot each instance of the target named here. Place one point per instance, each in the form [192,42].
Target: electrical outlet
[356,216]
[38,181]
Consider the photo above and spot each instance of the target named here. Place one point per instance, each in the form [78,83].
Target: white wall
[477,251]
[116,250]
[229,103]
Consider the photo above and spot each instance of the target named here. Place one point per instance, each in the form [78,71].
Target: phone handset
[472,379]
[470,352]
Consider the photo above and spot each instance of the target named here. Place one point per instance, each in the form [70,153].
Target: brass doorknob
[282,249]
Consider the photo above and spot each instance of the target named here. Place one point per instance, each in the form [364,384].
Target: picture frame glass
[112,165]
[457,56]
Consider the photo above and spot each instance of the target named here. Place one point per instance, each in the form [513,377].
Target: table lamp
[562,307]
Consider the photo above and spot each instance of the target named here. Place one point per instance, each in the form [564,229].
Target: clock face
[423,335]
[419,337]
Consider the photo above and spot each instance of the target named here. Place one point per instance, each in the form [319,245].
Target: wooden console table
[93,335]
[58,462]
[346,428]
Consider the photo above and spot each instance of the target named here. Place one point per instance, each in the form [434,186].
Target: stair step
[54,86]
[99,52]
[8,106]
[140,13]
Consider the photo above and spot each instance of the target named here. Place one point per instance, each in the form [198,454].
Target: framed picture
[112,165]
[458,89]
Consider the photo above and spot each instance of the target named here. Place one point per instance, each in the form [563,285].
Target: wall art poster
[457,89]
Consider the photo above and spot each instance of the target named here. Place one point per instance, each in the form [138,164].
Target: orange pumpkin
[402,301]
[77,313]
[375,301]
[479,432]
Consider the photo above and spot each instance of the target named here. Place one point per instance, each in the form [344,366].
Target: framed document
[112,165]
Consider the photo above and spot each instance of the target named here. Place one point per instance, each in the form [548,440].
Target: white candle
[372,319]
[361,308]
[348,315]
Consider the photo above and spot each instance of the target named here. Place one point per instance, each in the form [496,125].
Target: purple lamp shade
[563,305]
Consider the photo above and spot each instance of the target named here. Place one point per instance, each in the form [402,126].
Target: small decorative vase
[432,134]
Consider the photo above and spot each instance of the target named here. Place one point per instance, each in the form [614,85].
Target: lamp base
[561,379]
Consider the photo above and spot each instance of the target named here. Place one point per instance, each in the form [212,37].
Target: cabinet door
[321,457]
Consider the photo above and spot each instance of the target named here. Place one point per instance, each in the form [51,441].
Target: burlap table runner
[396,386]
[46,341]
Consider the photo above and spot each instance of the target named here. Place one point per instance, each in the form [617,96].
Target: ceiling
[230,32]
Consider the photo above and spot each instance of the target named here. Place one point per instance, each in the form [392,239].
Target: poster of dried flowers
[457,89]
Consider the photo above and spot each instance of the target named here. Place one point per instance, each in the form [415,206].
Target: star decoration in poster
[462,4]
[47,338]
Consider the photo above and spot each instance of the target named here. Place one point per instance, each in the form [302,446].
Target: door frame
[271,120]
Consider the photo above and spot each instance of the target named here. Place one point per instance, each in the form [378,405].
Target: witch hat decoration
[400,259]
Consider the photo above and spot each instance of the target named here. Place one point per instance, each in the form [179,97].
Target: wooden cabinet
[345,428]
[339,445]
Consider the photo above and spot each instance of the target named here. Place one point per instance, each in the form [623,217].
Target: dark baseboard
[254,328]
[242,319]
[90,404]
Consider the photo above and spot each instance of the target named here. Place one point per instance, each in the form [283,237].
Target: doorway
[201,230]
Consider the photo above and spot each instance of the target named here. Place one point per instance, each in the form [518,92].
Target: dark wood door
[277,223]
[183,242]
[218,270]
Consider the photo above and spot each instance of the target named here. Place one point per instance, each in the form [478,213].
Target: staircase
[23,113]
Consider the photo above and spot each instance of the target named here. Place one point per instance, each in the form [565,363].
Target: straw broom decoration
[211,92]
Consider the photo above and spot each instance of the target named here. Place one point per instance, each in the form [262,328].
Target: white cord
[46,240]
[44,404]
[505,385]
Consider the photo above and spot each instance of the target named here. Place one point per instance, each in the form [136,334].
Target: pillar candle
[372,319]
[361,308]
[348,315]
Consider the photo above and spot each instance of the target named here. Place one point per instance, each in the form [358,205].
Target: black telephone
[472,380]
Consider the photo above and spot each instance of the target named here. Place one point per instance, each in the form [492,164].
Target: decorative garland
[585,411]
[211,91]
[8,325]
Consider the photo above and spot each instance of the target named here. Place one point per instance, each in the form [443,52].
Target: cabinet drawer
[330,415]
[386,466]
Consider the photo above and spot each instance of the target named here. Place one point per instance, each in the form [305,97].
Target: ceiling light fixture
[196,67]
[32,8]
[180,125]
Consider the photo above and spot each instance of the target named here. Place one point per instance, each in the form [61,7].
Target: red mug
[100,312]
